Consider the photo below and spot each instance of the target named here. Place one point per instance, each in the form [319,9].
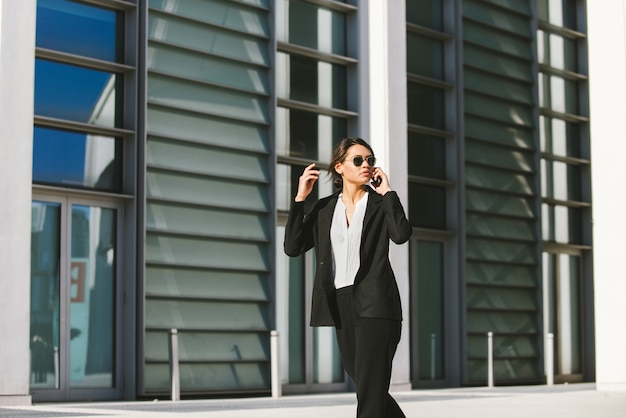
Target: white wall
[17,42]
[607,74]
[383,124]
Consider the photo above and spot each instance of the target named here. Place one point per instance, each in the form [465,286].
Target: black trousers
[367,347]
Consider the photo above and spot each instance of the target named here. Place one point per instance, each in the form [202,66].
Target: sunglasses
[358,160]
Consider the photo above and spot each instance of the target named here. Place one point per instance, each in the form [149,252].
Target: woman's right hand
[307,180]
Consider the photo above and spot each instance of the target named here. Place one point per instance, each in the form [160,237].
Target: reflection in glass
[312,26]
[74,93]
[74,159]
[45,295]
[92,300]
[76,28]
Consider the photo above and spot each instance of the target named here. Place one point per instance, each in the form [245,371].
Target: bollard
[550,359]
[490,359]
[275,366]
[174,370]
[433,340]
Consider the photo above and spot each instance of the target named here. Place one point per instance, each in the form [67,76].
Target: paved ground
[559,401]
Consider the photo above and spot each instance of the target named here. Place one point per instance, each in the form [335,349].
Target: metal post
[433,341]
[275,366]
[550,359]
[174,370]
[490,359]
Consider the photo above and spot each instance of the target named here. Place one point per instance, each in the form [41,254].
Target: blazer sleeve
[298,231]
[400,229]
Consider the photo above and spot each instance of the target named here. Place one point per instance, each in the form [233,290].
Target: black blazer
[375,292]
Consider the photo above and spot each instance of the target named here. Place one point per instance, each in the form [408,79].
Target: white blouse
[346,241]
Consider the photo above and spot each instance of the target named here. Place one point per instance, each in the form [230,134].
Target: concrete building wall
[17,44]
[607,90]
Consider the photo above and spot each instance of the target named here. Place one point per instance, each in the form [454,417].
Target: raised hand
[307,180]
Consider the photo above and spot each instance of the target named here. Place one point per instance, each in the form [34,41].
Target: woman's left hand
[380,181]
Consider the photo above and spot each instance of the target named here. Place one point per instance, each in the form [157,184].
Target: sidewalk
[566,401]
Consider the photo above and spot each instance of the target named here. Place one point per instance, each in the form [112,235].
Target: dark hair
[339,155]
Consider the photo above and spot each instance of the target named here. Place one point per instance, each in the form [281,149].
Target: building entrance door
[74,298]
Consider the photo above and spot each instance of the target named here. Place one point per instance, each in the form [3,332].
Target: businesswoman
[355,289]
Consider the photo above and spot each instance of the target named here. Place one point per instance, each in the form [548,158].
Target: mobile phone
[376,182]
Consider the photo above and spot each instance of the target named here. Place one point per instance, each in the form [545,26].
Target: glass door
[74,299]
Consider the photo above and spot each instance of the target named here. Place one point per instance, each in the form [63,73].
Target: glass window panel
[307,135]
[313,26]
[424,56]
[312,81]
[499,180]
[560,180]
[290,315]
[426,106]
[430,315]
[558,12]
[327,366]
[427,13]
[78,28]
[75,159]
[569,315]
[427,206]
[75,93]
[45,295]
[426,156]
[503,346]
[561,224]
[92,297]
[559,137]
[558,94]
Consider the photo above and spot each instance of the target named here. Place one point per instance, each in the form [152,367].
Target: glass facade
[166,178]
[315,69]
[81,144]
[565,190]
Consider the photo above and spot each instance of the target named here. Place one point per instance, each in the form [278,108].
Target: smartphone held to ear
[376,181]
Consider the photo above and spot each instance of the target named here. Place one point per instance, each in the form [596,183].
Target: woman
[355,289]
